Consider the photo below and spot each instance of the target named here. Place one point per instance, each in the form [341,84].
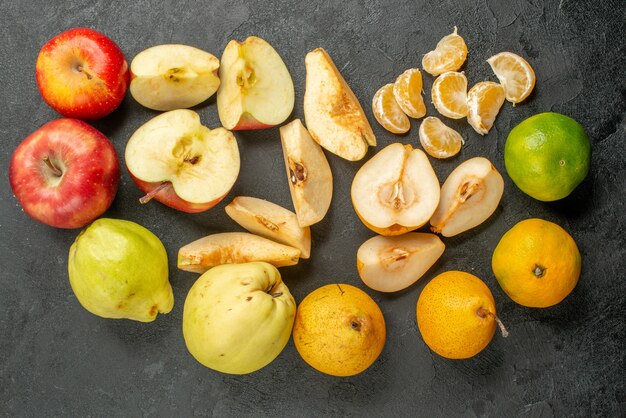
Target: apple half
[308,173]
[256,89]
[390,264]
[176,160]
[234,248]
[271,221]
[168,77]
[396,191]
[332,112]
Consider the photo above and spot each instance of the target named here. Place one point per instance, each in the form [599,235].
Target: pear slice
[396,191]
[234,248]
[389,264]
[469,196]
[332,112]
[271,221]
[168,77]
[308,173]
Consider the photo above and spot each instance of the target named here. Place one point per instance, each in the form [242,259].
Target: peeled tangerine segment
[389,264]
[396,191]
[387,111]
[449,95]
[308,173]
[168,77]
[449,55]
[234,248]
[515,74]
[469,196]
[408,93]
[484,101]
[271,221]
[439,140]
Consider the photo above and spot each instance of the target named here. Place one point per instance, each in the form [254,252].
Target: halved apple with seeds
[176,160]
[234,248]
[308,173]
[390,264]
[256,90]
[469,196]
[271,221]
[168,77]
[332,112]
[396,191]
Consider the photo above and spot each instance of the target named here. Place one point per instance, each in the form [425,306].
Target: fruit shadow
[579,203]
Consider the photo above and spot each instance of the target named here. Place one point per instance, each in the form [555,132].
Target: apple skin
[248,122]
[82,74]
[89,170]
[168,197]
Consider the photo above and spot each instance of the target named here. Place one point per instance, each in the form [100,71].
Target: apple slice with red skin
[181,163]
[168,77]
[82,73]
[256,90]
[65,174]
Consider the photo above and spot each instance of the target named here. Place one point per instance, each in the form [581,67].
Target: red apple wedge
[168,77]
[396,191]
[233,248]
[181,163]
[271,221]
[256,89]
[390,264]
[332,112]
[469,196]
[308,173]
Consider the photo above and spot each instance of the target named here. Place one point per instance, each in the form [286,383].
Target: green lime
[547,156]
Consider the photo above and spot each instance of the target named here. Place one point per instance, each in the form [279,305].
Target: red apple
[65,174]
[82,74]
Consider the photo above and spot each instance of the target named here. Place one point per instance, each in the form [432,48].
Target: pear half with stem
[390,264]
[271,221]
[308,173]
[396,191]
[469,196]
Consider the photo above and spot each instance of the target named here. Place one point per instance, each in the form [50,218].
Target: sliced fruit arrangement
[271,221]
[234,248]
[181,163]
[396,191]
[484,101]
[469,196]
[256,89]
[332,112]
[449,55]
[168,77]
[308,173]
[389,264]
[515,74]
[408,93]
[449,95]
[439,140]
[387,111]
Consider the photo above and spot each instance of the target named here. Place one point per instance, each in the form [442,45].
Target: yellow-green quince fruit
[118,269]
[238,317]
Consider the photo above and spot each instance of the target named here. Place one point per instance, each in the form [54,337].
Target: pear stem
[148,197]
[482,312]
[55,170]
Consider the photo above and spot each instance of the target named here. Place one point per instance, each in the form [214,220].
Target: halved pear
[469,196]
[182,163]
[271,221]
[389,264]
[332,112]
[308,173]
[396,191]
[234,248]
[256,91]
[168,77]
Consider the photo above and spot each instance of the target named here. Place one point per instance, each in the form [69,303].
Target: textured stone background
[56,359]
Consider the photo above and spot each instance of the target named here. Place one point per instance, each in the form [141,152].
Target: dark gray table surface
[56,359]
